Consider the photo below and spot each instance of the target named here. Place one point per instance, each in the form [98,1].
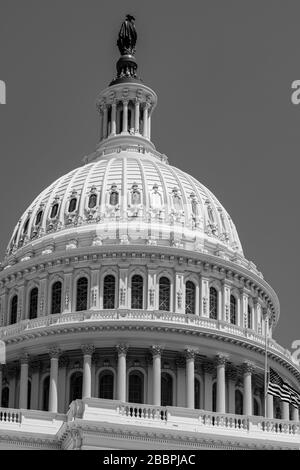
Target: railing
[10,416]
[224,421]
[153,413]
[141,315]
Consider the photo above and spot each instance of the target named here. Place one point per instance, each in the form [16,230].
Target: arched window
[14,310]
[197,394]
[46,387]
[166,389]
[238,402]
[54,211]
[214,396]
[164,294]
[92,201]
[249,318]
[213,303]
[233,309]
[75,386]
[38,218]
[72,204]
[5,397]
[136,387]
[82,294]
[255,407]
[33,303]
[109,290]
[137,286]
[106,385]
[190,297]
[56,297]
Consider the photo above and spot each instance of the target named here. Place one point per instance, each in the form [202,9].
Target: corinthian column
[125,117]
[190,378]
[113,118]
[87,350]
[145,120]
[156,354]
[137,116]
[221,361]
[122,352]
[24,382]
[247,401]
[54,354]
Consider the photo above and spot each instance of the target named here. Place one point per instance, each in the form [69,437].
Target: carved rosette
[122,349]
[88,349]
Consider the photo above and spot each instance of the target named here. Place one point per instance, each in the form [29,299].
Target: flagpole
[266,363]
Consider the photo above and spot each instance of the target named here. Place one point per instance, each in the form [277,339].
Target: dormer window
[54,211]
[38,218]
[92,201]
[72,204]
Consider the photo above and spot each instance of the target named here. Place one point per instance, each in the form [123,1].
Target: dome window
[33,303]
[109,288]
[233,310]
[164,294]
[54,211]
[72,204]
[249,317]
[14,310]
[190,297]
[39,218]
[137,292]
[106,385]
[56,298]
[82,294]
[213,303]
[92,201]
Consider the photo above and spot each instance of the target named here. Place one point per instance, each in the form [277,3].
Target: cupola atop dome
[126,106]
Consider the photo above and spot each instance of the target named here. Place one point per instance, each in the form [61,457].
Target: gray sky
[222,70]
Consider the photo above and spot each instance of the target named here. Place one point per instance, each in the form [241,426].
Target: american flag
[279,388]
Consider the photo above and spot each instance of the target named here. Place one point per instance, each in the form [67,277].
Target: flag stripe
[278,388]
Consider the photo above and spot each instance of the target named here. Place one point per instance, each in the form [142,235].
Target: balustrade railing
[9,416]
[153,413]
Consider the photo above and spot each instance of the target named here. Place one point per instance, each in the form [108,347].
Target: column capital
[122,349]
[156,350]
[190,353]
[24,359]
[248,367]
[88,349]
[125,101]
[54,352]
[221,359]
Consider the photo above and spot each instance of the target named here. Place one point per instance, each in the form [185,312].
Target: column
[204,300]
[247,399]
[95,289]
[285,410]
[132,122]
[152,297]
[113,118]
[243,322]
[21,303]
[122,352]
[35,384]
[208,369]
[87,350]
[270,406]
[62,378]
[221,361]
[67,289]
[295,414]
[104,122]
[24,382]
[190,378]
[123,290]
[225,315]
[149,126]
[231,373]
[145,120]
[42,312]
[125,117]
[53,395]
[180,293]
[137,116]
[156,354]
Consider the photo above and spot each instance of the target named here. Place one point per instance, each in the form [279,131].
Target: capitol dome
[128,311]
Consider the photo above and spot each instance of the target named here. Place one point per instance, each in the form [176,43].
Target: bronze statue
[127,36]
